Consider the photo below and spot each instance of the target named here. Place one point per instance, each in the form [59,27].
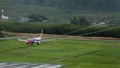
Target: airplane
[36,40]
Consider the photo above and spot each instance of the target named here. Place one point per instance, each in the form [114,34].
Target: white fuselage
[36,40]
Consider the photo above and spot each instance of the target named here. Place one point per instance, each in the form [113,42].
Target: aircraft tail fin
[41,34]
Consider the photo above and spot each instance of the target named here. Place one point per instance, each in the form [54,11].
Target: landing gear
[32,43]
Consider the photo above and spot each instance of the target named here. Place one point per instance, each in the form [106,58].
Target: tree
[83,21]
[80,21]
[1,34]
[74,21]
[36,18]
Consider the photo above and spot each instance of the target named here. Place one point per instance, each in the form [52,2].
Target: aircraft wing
[21,40]
[48,40]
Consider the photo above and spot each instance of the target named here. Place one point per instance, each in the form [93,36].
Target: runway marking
[28,65]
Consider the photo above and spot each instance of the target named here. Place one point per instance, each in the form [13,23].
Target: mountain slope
[96,5]
[60,10]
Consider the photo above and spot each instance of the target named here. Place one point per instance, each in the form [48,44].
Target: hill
[92,5]
[61,10]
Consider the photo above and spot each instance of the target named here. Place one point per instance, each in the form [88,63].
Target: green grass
[70,53]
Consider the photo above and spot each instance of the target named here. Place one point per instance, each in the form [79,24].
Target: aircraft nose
[27,42]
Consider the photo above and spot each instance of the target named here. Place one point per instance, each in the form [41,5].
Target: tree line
[62,29]
[96,5]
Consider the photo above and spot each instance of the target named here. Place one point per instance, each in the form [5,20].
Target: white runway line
[28,65]
[55,66]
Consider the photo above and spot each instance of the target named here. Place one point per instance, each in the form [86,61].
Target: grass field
[71,53]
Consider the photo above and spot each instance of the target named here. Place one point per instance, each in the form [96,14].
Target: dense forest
[67,29]
[70,14]
[91,5]
[62,10]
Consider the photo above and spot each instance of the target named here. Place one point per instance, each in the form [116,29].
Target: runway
[28,65]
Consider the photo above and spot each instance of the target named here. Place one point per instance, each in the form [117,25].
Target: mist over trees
[73,13]
[60,11]
[91,5]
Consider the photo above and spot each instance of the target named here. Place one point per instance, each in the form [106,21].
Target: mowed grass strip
[76,53]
